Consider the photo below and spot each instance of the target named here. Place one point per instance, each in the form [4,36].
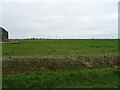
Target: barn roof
[1,28]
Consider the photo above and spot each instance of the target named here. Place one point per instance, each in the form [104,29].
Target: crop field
[84,63]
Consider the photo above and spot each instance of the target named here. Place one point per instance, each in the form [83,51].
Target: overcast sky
[60,18]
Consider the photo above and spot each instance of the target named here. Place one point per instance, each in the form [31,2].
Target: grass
[60,47]
[96,78]
[61,64]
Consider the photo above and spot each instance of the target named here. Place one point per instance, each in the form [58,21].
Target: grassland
[61,64]
[60,47]
[98,78]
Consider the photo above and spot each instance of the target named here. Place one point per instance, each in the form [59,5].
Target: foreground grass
[95,78]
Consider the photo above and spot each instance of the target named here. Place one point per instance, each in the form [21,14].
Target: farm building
[3,34]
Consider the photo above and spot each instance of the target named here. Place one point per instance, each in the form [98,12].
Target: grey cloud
[65,20]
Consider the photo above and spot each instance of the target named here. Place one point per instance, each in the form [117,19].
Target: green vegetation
[60,47]
[61,64]
[98,78]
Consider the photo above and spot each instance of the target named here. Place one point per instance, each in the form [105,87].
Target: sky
[61,19]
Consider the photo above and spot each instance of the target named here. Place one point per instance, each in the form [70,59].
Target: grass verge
[94,78]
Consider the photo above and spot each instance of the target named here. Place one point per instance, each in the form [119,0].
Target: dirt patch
[21,64]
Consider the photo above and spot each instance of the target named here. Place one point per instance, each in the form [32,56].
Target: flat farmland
[60,47]
[82,63]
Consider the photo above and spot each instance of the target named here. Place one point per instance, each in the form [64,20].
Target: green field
[61,64]
[61,47]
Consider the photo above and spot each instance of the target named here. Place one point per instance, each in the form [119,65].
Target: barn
[3,34]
